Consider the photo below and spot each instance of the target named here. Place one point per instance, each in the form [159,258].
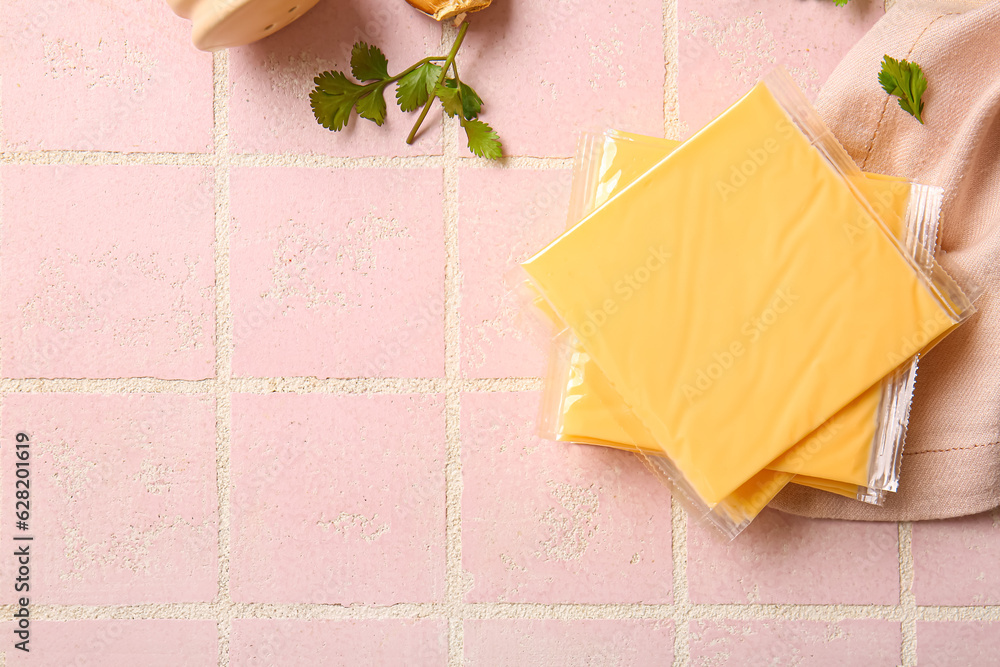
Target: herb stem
[392,79]
[409,69]
[448,62]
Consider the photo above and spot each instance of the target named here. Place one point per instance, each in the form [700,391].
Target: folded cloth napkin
[951,463]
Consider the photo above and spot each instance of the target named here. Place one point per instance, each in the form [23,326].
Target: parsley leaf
[840,3]
[333,98]
[906,81]
[372,105]
[336,97]
[451,100]
[471,102]
[460,100]
[483,141]
[415,88]
[368,63]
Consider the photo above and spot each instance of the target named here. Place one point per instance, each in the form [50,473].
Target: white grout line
[682,604]
[314,161]
[223,606]
[293,385]
[671,60]
[453,371]
[511,610]
[75,157]
[678,517]
[907,601]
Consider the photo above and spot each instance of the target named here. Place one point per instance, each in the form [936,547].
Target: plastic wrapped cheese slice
[742,291]
[859,448]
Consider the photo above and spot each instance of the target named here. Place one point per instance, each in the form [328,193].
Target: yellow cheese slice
[737,295]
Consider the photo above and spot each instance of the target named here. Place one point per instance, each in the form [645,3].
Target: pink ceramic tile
[122,506]
[957,644]
[550,522]
[955,561]
[785,559]
[547,70]
[108,271]
[337,499]
[337,273]
[873,643]
[117,75]
[270,81]
[114,643]
[519,643]
[504,217]
[297,643]
[727,45]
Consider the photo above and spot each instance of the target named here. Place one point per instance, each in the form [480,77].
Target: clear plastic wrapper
[578,409]
[695,273]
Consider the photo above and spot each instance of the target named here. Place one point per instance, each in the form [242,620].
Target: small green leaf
[906,81]
[471,102]
[333,99]
[483,141]
[413,89]
[450,98]
[372,105]
[335,83]
[840,3]
[368,63]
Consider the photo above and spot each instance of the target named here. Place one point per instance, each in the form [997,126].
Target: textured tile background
[281,408]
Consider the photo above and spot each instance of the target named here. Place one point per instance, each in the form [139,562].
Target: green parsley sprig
[336,97]
[906,81]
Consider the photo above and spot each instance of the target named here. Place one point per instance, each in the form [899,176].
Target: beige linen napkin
[951,464]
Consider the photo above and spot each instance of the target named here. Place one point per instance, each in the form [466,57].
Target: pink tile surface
[550,522]
[118,75]
[548,70]
[294,643]
[337,273]
[783,559]
[122,497]
[955,561]
[118,643]
[519,643]
[504,218]
[114,277]
[337,499]
[270,81]
[727,45]
[957,643]
[108,273]
[873,643]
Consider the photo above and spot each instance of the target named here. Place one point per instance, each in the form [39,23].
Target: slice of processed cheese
[737,295]
[588,410]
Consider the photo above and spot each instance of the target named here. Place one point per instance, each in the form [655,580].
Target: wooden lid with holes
[220,24]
